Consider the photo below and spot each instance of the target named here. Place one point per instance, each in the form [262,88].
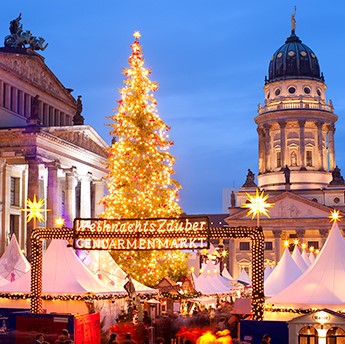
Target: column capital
[52,164]
[323,233]
[300,233]
[282,124]
[72,171]
[277,233]
[301,123]
[319,124]
[85,177]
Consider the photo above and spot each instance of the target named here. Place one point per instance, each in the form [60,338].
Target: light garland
[255,234]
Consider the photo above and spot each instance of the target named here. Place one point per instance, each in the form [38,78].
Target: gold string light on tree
[139,182]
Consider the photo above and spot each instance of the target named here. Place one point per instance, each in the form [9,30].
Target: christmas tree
[140,167]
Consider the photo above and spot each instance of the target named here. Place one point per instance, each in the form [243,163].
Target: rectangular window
[244,245]
[14,191]
[309,157]
[268,245]
[279,159]
[14,226]
[314,244]
[63,204]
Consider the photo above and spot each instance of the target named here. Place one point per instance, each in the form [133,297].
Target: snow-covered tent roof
[283,274]
[244,278]
[102,264]
[13,263]
[297,257]
[63,273]
[322,285]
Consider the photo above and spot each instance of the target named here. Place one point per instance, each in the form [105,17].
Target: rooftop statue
[23,39]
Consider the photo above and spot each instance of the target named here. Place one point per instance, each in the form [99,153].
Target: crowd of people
[64,338]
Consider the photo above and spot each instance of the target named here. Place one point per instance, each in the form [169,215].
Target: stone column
[14,98]
[319,146]
[53,200]
[21,109]
[301,124]
[282,126]
[70,196]
[261,148]
[1,93]
[324,235]
[331,131]
[99,194]
[267,159]
[7,100]
[85,196]
[33,181]
[300,235]
[232,257]
[277,233]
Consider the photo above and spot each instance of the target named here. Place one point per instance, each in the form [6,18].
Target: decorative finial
[136,35]
[293,21]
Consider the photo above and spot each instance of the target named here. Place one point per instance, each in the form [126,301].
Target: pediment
[321,316]
[81,136]
[290,206]
[32,70]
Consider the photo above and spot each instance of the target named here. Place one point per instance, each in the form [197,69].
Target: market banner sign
[183,233]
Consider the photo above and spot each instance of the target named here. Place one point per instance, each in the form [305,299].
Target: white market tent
[283,274]
[244,278]
[226,274]
[268,270]
[322,285]
[13,263]
[305,257]
[102,264]
[210,281]
[297,257]
[311,257]
[63,273]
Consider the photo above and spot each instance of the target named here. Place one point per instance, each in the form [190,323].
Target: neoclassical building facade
[296,158]
[46,150]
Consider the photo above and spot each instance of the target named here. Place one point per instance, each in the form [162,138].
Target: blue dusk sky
[210,59]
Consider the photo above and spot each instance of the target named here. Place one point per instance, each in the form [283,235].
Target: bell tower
[296,124]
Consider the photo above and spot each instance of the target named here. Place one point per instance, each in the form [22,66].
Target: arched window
[308,335]
[335,335]
[309,157]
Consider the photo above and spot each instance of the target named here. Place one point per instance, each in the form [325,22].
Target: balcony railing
[294,106]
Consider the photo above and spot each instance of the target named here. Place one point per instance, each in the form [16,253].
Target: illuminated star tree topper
[257,205]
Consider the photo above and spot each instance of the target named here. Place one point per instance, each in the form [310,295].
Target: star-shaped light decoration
[136,35]
[257,205]
[35,210]
[334,216]
[59,222]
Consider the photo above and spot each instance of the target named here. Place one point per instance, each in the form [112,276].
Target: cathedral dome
[294,60]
